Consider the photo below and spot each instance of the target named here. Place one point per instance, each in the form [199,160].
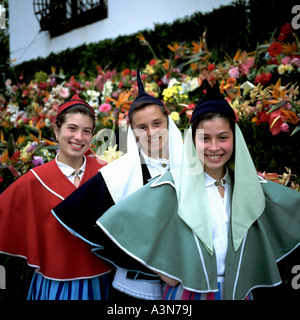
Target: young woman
[154,145]
[223,229]
[29,230]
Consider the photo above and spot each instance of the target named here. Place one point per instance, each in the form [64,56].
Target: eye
[141,127]
[223,138]
[202,137]
[71,128]
[88,131]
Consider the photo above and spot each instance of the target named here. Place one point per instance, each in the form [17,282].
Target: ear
[56,132]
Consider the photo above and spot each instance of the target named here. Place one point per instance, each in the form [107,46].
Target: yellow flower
[175,116]
[26,155]
[167,94]
[111,154]
[283,68]
[149,70]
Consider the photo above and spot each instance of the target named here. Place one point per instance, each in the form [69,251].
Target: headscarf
[248,201]
[124,175]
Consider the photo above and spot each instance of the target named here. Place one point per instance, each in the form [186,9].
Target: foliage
[256,21]
[268,110]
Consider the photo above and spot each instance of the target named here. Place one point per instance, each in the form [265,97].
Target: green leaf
[278,105]
[10,145]
[295,130]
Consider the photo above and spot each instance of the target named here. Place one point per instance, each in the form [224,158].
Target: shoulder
[23,183]
[164,179]
[45,167]
[95,162]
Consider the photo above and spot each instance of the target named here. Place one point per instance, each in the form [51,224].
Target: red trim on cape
[29,229]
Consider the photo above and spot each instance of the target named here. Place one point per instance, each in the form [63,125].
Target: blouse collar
[68,170]
[209,181]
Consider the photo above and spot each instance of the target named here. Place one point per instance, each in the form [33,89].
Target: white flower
[12,108]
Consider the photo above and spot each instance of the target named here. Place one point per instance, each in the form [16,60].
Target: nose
[152,131]
[78,135]
[214,145]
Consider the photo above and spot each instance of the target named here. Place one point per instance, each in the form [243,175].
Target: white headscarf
[124,175]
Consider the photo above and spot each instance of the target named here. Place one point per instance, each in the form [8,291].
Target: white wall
[124,17]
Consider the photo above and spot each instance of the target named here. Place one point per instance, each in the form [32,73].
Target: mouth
[76,146]
[214,157]
[153,140]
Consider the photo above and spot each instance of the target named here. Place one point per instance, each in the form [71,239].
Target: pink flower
[285,60]
[234,72]
[37,161]
[64,92]
[245,67]
[87,84]
[105,107]
[296,61]
[285,127]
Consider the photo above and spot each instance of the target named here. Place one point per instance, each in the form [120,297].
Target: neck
[216,174]
[158,154]
[76,163]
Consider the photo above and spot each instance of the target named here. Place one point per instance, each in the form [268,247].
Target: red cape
[29,229]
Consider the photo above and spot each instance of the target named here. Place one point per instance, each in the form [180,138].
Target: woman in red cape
[29,230]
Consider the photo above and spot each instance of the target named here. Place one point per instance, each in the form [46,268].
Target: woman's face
[214,145]
[74,137]
[150,127]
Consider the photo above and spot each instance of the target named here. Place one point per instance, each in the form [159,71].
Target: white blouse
[220,217]
[155,166]
[69,171]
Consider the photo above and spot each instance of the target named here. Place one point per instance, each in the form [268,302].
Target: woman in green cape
[213,225]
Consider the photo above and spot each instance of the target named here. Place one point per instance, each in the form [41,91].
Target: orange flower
[231,82]
[277,92]
[289,48]
[122,101]
[4,157]
[166,64]
[174,47]
[142,39]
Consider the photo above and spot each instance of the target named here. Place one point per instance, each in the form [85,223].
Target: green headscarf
[248,201]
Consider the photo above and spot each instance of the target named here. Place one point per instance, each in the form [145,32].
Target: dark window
[61,16]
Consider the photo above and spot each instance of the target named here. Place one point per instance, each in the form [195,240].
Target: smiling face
[150,127]
[74,138]
[214,145]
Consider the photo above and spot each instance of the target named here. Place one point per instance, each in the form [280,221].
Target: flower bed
[261,86]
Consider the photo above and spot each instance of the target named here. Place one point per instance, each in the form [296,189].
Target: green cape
[156,236]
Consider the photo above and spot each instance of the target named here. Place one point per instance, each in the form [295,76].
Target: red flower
[275,49]
[262,116]
[263,78]
[211,67]
[286,29]
[276,121]
[152,62]
[126,72]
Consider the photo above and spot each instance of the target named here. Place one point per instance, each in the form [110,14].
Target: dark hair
[146,104]
[209,116]
[61,118]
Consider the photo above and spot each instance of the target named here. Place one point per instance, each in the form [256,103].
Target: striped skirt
[97,288]
[179,293]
